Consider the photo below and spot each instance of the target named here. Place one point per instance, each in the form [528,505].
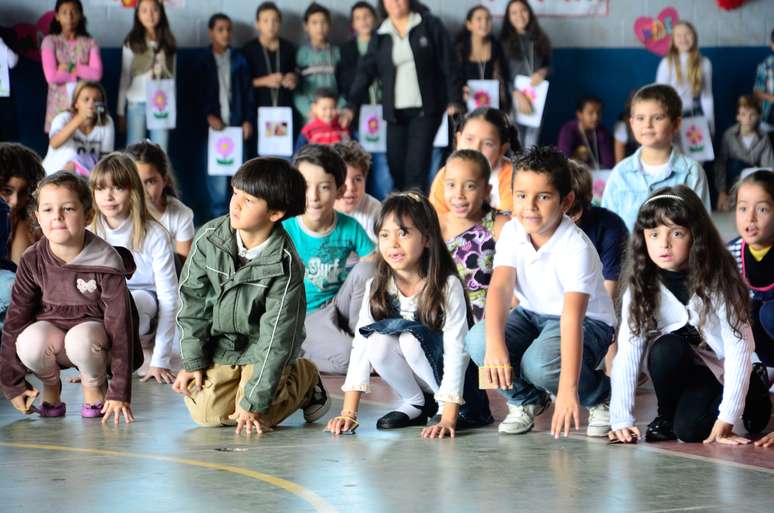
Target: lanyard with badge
[593,150]
[273,90]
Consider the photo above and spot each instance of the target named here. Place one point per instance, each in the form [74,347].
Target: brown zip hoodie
[91,287]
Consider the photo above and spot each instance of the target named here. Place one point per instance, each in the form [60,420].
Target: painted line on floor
[317,502]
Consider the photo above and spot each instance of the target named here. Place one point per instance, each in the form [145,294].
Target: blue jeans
[533,342]
[135,127]
[380,183]
[7,279]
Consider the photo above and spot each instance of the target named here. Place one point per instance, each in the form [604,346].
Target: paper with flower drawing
[537,95]
[160,104]
[483,93]
[372,129]
[224,151]
[696,140]
[275,131]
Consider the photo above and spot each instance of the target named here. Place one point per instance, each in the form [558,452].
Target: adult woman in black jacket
[412,54]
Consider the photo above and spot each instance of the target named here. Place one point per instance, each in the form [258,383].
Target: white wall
[749,25]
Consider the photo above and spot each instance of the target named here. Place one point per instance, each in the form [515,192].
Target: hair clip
[413,195]
[663,196]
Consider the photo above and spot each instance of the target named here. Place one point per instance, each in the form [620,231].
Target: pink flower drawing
[482,99]
[224,147]
[160,103]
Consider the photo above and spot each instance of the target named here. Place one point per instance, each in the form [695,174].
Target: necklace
[273,90]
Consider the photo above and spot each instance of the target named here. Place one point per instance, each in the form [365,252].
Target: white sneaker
[521,418]
[599,420]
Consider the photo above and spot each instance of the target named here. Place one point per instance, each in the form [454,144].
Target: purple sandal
[49,410]
[91,411]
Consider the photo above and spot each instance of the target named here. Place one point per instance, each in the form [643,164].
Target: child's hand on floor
[161,374]
[344,423]
[248,420]
[625,435]
[117,408]
[766,441]
[566,410]
[723,433]
[183,382]
[23,402]
[439,430]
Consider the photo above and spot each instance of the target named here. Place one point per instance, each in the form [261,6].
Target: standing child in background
[9,120]
[655,118]
[68,54]
[161,194]
[228,97]
[624,142]
[689,73]
[586,139]
[752,250]
[480,54]
[20,172]
[412,325]
[486,130]
[323,126]
[81,135]
[70,308]
[242,310]
[362,19]
[272,62]
[563,324]
[528,50]
[684,310]
[325,241]
[471,227]
[744,145]
[764,90]
[355,201]
[316,60]
[149,53]
[123,220]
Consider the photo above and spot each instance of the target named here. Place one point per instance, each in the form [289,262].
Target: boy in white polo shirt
[558,335]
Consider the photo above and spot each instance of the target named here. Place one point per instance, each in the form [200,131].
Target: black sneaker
[319,403]
[758,408]
[660,430]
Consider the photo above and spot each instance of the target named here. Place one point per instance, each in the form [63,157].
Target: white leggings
[402,364]
[45,350]
[147,308]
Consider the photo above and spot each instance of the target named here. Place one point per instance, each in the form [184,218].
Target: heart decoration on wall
[656,34]
[729,5]
[30,36]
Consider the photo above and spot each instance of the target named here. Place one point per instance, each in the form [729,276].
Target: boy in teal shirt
[326,240]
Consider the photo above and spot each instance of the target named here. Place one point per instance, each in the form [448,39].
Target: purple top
[596,144]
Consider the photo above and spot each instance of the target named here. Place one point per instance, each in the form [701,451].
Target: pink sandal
[91,411]
[49,410]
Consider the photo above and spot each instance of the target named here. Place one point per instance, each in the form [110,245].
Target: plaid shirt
[764,83]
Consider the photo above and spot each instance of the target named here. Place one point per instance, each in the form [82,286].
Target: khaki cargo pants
[224,387]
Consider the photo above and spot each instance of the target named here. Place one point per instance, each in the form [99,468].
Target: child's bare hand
[117,409]
[23,402]
[766,441]
[566,411]
[290,81]
[626,435]
[161,375]
[497,363]
[182,384]
[248,420]
[247,130]
[440,430]
[723,433]
[342,424]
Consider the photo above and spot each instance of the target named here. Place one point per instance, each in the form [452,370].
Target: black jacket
[440,80]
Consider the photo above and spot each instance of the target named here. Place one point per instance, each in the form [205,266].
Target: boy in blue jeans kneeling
[558,335]
[242,309]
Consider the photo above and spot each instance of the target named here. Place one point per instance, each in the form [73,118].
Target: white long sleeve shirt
[729,357]
[155,272]
[666,75]
[455,359]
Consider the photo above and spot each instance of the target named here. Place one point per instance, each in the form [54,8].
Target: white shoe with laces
[599,420]
[521,418]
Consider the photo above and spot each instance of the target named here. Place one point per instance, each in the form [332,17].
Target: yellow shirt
[758,254]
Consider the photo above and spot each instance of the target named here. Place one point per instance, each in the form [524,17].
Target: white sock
[387,359]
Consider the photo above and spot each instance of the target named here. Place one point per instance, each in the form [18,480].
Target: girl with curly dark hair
[685,312]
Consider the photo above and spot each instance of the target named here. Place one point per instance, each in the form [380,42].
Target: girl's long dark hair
[56,27]
[712,271]
[436,264]
[136,37]
[510,38]
[151,153]
[496,118]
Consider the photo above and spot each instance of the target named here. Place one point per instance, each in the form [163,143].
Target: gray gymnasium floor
[163,463]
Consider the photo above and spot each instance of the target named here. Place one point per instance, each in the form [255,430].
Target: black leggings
[410,148]
[689,394]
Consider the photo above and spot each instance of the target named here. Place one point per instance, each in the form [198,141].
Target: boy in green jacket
[242,309]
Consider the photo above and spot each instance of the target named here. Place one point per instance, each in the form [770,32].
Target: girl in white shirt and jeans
[685,312]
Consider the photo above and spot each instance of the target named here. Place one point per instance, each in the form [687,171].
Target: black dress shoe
[660,430]
[757,410]
[398,419]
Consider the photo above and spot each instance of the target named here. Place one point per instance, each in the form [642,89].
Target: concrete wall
[749,25]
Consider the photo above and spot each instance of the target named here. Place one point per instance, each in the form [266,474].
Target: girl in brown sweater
[70,307]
